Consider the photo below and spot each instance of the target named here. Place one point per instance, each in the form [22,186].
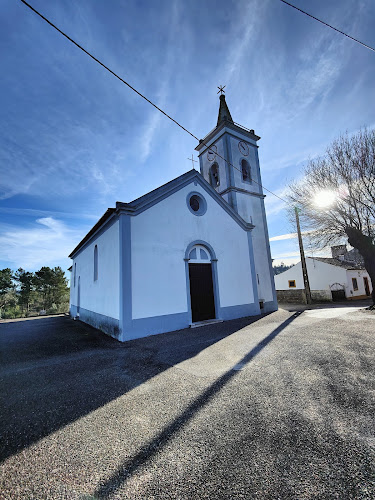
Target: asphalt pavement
[273,407]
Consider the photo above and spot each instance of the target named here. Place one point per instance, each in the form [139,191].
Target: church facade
[191,251]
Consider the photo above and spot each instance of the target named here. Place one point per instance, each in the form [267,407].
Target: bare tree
[337,196]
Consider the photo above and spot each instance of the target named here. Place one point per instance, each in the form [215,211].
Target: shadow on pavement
[150,449]
[55,371]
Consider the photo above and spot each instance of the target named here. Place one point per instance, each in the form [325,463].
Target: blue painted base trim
[241,311]
[162,324]
[270,306]
[144,327]
[106,324]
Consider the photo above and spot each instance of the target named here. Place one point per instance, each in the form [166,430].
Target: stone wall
[321,295]
[298,296]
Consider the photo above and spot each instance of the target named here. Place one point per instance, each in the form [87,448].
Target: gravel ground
[268,408]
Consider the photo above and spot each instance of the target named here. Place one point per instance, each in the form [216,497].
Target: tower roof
[224,113]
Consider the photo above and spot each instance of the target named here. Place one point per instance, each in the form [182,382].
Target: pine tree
[26,281]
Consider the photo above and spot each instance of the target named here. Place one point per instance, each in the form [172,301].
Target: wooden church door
[201,285]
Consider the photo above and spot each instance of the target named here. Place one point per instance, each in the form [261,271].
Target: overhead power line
[105,67]
[139,93]
[329,26]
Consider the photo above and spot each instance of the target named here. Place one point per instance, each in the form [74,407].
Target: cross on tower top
[221,89]
[193,161]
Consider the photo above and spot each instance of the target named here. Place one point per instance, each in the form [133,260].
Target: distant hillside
[280,269]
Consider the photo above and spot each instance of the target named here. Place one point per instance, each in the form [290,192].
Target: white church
[192,251]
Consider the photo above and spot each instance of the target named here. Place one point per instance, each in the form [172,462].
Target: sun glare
[324,198]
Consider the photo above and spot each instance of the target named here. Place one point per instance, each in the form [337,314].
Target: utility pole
[303,261]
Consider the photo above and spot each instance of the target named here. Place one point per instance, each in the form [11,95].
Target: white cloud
[245,30]
[148,135]
[47,213]
[165,74]
[273,204]
[324,252]
[288,236]
[46,243]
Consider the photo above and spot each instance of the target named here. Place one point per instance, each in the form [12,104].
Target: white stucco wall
[252,206]
[321,276]
[250,209]
[359,275]
[294,273]
[159,238]
[100,296]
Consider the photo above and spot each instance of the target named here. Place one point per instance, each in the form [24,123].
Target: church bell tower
[229,161]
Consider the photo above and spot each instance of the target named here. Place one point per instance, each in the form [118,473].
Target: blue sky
[74,139]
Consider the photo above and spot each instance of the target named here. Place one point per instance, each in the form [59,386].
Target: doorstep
[206,322]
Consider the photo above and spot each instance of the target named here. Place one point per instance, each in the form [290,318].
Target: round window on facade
[196,203]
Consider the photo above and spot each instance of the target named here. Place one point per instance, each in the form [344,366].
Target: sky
[74,139]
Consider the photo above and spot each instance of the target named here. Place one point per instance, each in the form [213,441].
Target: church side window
[74,274]
[214,175]
[245,170]
[96,262]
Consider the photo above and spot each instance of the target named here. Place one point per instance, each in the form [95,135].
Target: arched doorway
[202,298]
[338,292]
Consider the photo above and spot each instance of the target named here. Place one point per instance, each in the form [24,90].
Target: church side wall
[97,301]
[160,286]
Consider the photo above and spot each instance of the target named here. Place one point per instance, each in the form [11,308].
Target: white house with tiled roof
[191,251]
[330,278]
